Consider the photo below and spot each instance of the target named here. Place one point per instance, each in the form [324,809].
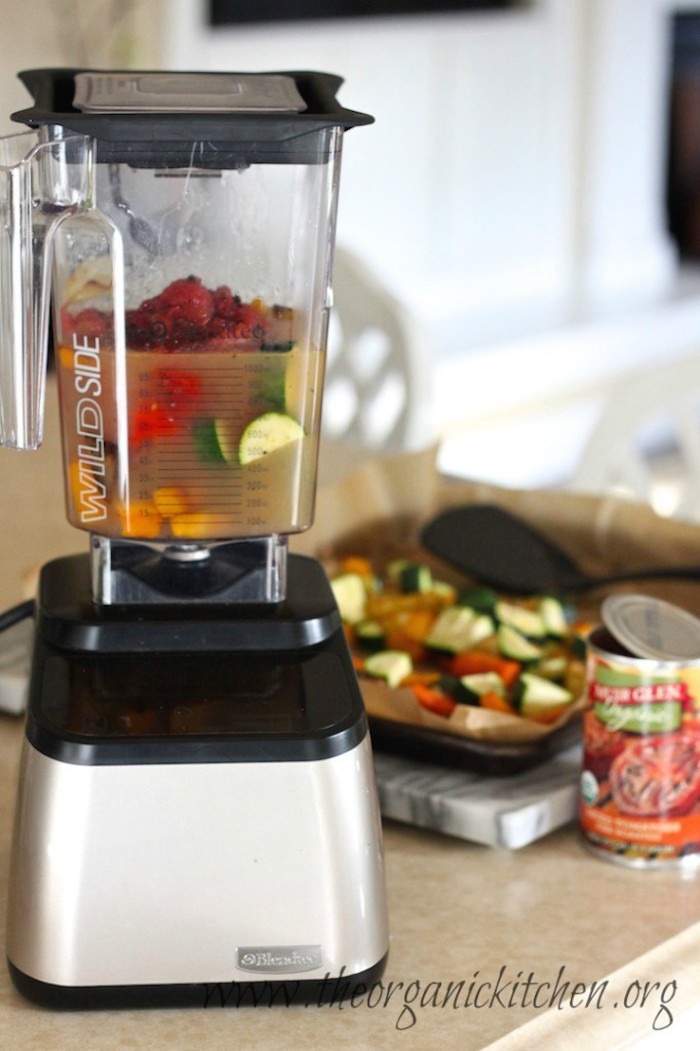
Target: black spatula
[500,549]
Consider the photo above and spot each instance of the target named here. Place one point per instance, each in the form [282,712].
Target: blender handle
[44,176]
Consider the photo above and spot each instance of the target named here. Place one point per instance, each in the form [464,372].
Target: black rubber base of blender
[268,993]
[68,618]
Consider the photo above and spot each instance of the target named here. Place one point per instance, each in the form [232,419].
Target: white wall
[512,193]
[39,33]
[461,194]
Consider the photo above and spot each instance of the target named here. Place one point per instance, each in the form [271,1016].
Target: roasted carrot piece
[397,639]
[495,703]
[357,564]
[434,700]
[473,662]
[421,678]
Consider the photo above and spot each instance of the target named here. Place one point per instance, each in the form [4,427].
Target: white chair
[377,385]
[646,443]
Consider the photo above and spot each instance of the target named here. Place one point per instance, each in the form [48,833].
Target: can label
[640,782]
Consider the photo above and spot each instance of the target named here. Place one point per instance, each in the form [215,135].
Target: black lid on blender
[175,119]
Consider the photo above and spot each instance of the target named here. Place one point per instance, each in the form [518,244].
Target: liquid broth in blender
[204,429]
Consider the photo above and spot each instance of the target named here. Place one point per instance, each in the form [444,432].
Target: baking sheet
[496,759]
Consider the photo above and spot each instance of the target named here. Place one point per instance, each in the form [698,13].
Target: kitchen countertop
[542,916]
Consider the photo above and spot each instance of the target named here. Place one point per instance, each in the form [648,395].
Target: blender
[197,816]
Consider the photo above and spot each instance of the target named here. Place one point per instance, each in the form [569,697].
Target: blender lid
[100,92]
[124,105]
[163,119]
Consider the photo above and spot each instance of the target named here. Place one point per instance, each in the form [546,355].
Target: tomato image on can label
[640,783]
[657,776]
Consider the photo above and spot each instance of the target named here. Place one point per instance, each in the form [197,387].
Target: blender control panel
[127,696]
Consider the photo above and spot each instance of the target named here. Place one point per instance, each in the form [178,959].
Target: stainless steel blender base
[195,884]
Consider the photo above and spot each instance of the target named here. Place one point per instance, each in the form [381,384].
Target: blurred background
[528,194]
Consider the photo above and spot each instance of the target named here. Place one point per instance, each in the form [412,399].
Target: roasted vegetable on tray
[450,647]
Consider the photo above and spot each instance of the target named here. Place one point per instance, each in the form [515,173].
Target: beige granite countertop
[459,912]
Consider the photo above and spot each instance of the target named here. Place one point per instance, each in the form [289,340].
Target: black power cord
[16,613]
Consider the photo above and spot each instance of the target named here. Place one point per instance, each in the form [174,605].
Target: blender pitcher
[191,290]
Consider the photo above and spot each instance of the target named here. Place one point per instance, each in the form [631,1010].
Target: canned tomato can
[640,779]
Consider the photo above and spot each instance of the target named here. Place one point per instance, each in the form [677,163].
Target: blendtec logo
[279,959]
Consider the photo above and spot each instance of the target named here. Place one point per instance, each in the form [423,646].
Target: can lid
[652,628]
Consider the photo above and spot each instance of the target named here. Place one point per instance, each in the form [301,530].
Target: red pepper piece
[434,700]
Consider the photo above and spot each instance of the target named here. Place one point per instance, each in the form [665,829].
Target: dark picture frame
[235,12]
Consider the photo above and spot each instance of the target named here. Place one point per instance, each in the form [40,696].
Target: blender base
[317,992]
[195,826]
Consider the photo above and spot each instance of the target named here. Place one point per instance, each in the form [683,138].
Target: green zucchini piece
[537,697]
[551,667]
[414,576]
[459,628]
[395,568]
[390,665]
[553,616]
[483,682]
[351,595]
[452,686]
[528,622]
[483,600]
[516,647]
[214,441]
[267,434]
[369,634]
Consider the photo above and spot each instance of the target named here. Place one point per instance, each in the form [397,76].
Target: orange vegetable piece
[408,630]
[424,678]
[190,525]
[433,700]
[551,716]
[474,662]
[349,633]
[357,564]
[418,622]
[387,604]
[140,518]
[397,639]
[170,500]
[495,703]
